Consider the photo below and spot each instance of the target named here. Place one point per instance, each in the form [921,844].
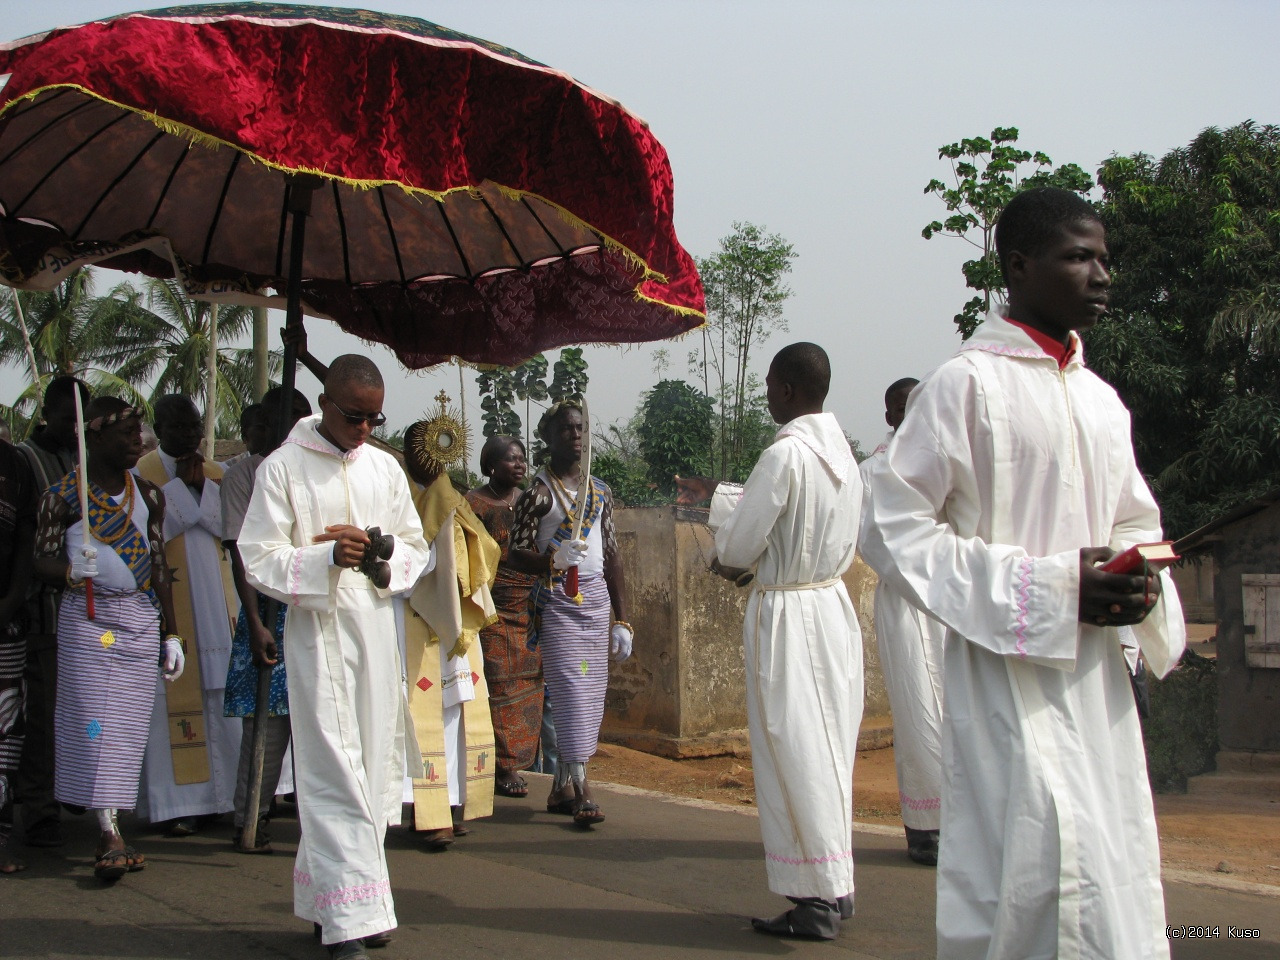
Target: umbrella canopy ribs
[471,202]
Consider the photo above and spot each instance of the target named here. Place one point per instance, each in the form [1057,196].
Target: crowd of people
[408,642]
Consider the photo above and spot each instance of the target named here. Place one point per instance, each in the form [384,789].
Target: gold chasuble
[188,739]
[451,605]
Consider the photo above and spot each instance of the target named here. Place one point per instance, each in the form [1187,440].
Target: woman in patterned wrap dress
[512,670]
[574,632]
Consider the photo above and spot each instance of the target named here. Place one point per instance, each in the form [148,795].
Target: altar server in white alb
[1011,479]
[910,645]
[303,541]
[190,766]
[796,526]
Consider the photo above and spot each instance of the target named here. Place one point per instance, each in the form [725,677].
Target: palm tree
[72,331]
[176,359]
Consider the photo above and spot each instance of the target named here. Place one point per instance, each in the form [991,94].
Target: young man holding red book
[1011,481]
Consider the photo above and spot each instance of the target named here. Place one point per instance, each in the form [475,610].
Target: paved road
[660,878]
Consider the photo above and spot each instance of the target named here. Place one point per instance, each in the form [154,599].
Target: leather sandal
[587,813]
[515,786]
[111,865]
[460,828]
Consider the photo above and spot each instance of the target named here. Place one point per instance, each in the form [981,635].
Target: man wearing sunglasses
[302,542]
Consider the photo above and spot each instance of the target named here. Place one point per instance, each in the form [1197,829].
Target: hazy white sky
[820,120]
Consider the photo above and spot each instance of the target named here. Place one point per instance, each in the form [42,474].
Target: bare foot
[10,864]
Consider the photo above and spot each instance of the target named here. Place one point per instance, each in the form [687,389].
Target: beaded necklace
[108,506]
[561,493]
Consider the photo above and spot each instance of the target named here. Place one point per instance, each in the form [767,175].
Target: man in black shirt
[50,453]
[18,499]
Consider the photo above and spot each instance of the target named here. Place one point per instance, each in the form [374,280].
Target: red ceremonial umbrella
[425,189]
[466,201]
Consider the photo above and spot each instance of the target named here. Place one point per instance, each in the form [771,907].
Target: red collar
[1051,347]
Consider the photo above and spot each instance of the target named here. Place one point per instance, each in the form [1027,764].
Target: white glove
[571,553]
[174,659]
[620,638]
[84,565]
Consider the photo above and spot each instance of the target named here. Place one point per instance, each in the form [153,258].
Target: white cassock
[1004,468]
[346,684]
[797,525]
[910,643]
[199,523]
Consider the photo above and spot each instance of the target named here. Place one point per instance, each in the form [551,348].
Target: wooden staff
[82,487]
[584,488]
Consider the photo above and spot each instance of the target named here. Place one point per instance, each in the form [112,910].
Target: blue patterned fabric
[242,674]
[112,528]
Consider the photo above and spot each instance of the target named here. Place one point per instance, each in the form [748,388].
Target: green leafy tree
[675,433]
[756,431]
[746,291]
[985,175]
[859,454]
[618,461]
[1192,339]
[531,387]
[176,359]
[497,402]
[73,331]
[569,376]
[501,387]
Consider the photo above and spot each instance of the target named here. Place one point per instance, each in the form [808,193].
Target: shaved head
[173,406]
[806,368]
[353,368]
[905,384]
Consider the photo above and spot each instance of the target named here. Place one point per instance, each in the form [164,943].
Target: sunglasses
[355,419]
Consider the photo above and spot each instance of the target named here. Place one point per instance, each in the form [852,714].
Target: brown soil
[1239,836]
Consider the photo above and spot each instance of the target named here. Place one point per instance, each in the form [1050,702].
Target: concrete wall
[683,692]
[1194,580]
[1248,697]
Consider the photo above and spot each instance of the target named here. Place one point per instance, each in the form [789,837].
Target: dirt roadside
[1239,836]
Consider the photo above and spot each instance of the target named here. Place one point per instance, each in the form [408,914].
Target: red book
[1157,556]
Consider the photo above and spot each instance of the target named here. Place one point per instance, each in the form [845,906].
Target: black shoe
[347,950]
[922,846]
[845,905]
[46,833]
[378,940]
[261,839]
[809,919]
[436,839]
[182,827]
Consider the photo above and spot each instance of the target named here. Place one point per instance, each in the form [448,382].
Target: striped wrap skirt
[574,640]
[107,671]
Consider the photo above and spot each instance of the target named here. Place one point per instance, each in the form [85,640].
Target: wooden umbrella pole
[26,342]
[211,386]
[299,205]
[583,498]
[82,483]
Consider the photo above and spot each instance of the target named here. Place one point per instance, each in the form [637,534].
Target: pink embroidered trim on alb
[295,575]
[301,877]
[928,803]
[793,861]
[1024,598]
[361,891]
[353,454]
